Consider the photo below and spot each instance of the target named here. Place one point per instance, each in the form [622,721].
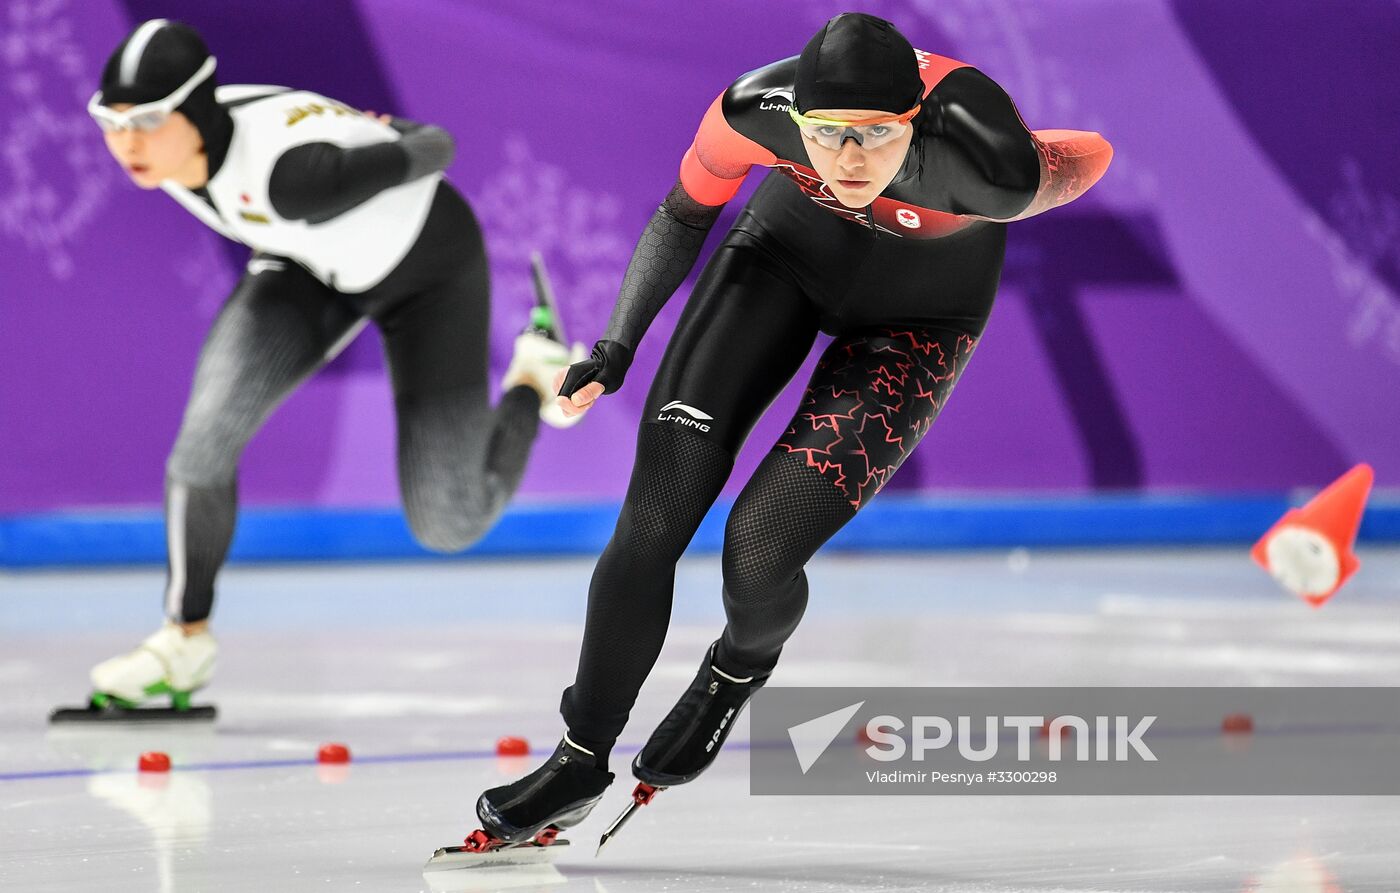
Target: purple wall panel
[1220,312]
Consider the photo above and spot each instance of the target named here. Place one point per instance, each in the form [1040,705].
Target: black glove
[607,365]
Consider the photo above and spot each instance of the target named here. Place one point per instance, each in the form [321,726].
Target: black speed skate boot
[690,737]
[559,794]
[521,821]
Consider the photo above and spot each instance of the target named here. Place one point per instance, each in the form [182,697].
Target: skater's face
[857,174]
[172,151]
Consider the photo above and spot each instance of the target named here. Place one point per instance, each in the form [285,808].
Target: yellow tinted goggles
[869,133]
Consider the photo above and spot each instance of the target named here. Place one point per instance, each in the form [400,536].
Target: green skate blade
[134,715]
[453,858]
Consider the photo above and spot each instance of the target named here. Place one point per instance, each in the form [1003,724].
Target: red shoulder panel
[715,165]
[934,68]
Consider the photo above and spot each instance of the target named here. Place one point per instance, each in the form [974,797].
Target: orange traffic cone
[1309,550]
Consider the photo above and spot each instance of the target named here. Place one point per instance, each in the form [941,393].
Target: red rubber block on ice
[1237,724]
[510,746]
[153,761]
[333,753]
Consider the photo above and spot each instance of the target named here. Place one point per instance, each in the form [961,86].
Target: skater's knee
[647,532]
[764,554]
[447,535]
[750,580]
[781,518]
[759,557]
[201,462]
[674,482]
[445,529]
[216,427]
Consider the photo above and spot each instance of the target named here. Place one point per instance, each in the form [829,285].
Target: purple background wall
[1220,313]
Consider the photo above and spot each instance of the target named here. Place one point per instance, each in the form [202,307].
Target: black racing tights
[743,335]
[459,459]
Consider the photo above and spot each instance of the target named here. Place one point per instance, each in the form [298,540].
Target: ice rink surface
[419,668]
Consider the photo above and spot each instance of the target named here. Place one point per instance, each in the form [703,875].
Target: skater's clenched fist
[581,400]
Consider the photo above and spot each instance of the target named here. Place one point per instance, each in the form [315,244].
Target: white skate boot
[537,359]
[167,663]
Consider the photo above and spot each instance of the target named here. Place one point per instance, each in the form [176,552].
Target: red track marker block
[511,746]
[154,761]
[1237,724]
[333,753]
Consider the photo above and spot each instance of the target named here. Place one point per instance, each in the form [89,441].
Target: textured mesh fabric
[676,478]
[664,256]
[460,459]
[784,514]
[272,333]
[199,528]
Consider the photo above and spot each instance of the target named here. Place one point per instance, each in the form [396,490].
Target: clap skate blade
[103,708]
[481,850]
[642,794]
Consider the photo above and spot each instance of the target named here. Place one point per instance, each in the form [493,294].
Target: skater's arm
[318,181]
[665,254]
[1070,162]
[997,168]
[429,148]
[711,172]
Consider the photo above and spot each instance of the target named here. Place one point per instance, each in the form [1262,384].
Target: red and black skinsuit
[904,286]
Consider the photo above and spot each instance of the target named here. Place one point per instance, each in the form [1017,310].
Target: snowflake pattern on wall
[533,205]
[54,175]
[1360,238]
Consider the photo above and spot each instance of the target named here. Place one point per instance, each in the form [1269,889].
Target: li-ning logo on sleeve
[783,93]
[693,417]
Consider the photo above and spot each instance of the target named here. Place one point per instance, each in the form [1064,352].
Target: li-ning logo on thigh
[694,418]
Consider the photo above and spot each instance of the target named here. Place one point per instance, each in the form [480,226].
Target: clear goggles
[148,115]
[869,133]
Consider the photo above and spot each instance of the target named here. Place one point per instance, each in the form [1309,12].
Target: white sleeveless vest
[351,252]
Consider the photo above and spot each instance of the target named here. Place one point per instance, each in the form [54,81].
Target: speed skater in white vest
[350,221]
